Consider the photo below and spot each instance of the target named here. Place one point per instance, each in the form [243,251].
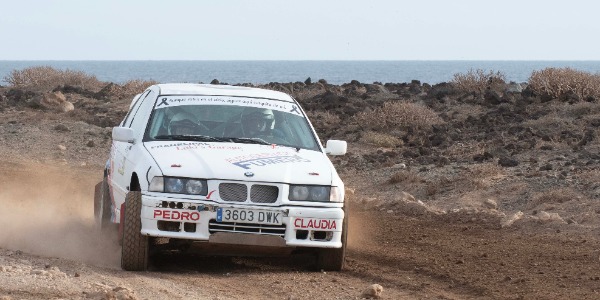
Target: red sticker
[176,215]
[315,224]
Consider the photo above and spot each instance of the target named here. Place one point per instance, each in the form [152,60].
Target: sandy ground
[49,249]
[439,231]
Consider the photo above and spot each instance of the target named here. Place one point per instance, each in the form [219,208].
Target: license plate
[240,215]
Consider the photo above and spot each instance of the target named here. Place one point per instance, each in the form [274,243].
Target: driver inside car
[257,122]
[183,123]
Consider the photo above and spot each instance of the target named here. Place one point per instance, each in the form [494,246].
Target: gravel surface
[482,214]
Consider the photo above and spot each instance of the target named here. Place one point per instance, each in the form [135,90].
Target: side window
[134,109]
[140,116]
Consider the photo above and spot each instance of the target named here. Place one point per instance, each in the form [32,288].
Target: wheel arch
[134,184]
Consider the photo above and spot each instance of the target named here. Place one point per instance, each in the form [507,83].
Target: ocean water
[257,72]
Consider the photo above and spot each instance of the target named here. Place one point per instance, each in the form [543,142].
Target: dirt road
[48,249]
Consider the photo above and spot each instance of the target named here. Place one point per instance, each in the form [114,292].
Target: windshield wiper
[186,137]
[206,138]
[247,140]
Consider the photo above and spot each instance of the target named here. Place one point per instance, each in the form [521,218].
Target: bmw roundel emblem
[249,174]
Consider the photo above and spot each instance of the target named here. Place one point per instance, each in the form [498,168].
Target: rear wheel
[134,251]
[332,259]
[102,209]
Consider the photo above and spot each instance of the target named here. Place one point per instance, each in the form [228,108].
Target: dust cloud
[359,230]
[47,210]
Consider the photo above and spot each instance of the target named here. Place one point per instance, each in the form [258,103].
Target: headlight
[173,185]
[299,192]
[157,184]
[178,185]
[310,193]
[194,186]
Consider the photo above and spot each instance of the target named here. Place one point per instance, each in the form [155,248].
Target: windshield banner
[170,101]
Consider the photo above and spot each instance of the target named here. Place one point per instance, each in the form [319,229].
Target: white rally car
[222,166]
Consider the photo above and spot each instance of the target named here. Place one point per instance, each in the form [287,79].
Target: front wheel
[332,259]
[134,251]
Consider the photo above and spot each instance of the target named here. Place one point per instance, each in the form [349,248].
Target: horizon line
[311,60]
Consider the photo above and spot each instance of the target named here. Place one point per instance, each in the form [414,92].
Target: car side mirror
[123,134]
[336,147]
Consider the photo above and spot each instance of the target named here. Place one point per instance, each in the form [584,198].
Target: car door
[136,155]
[119,178]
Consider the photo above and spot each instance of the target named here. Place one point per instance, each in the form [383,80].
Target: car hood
[235,161]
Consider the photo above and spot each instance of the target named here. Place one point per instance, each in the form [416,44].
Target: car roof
[221,90]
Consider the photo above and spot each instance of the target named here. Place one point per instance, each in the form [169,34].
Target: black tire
[102,209]
[332,259]
[134,251]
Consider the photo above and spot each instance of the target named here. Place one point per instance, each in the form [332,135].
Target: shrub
[478,81]
[559,195]
[124,91]
[136,86]
[406,177]
[381,139]
[398,115]
[47,78]
[325,118]
[562,82]
[481,176]
[486,170]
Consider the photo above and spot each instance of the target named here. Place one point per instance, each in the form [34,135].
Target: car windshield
[230,119]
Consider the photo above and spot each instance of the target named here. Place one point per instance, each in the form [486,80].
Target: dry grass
[475,177]
[398,115]
[560,195]
[46,78]
[482,176]
[551,123]
[578,110]
[460,112]
[560,82]
[126,90]
[466,149]
[589,178]
[439,183]
[137,85]
[552,145]
[486,170]
[324,117]
[478,81]
[381,139]
[406,177]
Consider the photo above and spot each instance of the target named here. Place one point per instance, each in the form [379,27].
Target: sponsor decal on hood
[230,161]
[263,159]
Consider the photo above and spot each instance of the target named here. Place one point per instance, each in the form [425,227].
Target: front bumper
[197,220]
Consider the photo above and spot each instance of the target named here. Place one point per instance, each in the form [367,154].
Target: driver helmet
[183,123]
[258,121]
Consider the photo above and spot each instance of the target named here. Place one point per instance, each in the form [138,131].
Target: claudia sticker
[315,224]
[265,159]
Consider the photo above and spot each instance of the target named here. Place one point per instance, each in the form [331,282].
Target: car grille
[233,192]
[214,226]
[237,192]
[264,193]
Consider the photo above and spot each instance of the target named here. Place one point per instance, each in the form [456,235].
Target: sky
[299,30]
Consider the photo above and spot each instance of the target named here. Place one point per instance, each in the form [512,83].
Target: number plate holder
[254,216]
